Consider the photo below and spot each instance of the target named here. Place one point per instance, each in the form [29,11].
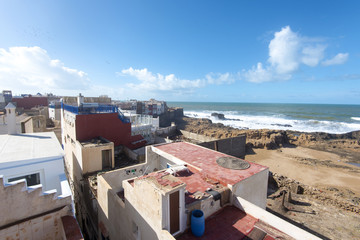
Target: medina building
[95,136]
[36,201]
[155,199]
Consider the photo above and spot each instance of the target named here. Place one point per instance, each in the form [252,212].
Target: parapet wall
[233,146]
[19,201]
[171,115]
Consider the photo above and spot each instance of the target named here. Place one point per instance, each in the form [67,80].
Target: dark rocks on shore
[218,115]
[281,125]
[221,116]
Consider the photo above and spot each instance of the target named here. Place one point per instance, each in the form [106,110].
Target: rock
[218,115]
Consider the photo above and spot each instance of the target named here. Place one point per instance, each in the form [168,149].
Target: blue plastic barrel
[197,223]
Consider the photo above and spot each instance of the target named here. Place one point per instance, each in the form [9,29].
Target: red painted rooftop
[205,160]
[231,223]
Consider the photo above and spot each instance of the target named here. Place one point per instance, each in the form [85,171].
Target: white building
[37,157]
[36,201]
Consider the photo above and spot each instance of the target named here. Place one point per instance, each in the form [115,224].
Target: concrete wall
[171,115]
[49,169]
[106,125]
[47,226]
[272,220]
[54,113]
[253,188]
[19,202]
[33,124]
[197,137]
[171,130]
[144,206]
[30,102]
[91,157]
[233,146]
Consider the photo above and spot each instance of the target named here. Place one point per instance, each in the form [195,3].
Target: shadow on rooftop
[33,136]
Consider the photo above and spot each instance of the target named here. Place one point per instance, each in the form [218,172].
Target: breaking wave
[278,121]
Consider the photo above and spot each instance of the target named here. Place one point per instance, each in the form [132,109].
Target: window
[31,179]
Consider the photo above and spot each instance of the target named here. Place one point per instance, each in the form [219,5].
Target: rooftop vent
[232,163]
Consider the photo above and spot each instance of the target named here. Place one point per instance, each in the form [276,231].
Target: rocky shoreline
[314,204]
[347,144]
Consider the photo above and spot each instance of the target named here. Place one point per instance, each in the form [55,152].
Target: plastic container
[197,223]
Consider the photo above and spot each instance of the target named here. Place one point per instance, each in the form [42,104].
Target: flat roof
[231,223]
[20,147]
[204,159]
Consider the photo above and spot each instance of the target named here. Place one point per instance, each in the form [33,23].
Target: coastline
[317,162]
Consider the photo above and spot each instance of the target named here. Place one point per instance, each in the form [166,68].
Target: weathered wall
[19,202]
[106,125]
[272,220]
[30,102]
[52,167]
[171,115]
[233,146]
[54,113]
[48,226]
[92,157]
[197,137]
[73,100]
[33,124]
[169,131]
[253,189]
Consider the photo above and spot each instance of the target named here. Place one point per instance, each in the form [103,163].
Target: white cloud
[221,78]
[287,52]
[158,82]
[284,50]
[340,58]
[312,55]
[30,69]
[258,74]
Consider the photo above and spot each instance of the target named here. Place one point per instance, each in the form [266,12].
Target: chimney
[10,117]
[80,100]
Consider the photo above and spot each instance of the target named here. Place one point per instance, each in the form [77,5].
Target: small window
[31,179]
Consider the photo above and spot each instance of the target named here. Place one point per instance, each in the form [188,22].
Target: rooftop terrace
[204,161]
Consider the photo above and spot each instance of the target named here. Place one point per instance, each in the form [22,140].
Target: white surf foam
[277,122]
[356,118]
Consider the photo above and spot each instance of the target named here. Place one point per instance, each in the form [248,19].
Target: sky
[205,51]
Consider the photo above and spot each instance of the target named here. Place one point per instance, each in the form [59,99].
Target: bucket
[197,223]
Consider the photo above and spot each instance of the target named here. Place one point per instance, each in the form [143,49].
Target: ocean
[298,117]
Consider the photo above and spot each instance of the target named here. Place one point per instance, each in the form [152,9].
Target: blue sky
[221,51]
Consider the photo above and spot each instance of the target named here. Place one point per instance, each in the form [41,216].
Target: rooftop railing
[93,109]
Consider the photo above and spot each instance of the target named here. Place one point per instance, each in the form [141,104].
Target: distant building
[151,107]
[29,102]
[55,111]
[93,135]
[5,98]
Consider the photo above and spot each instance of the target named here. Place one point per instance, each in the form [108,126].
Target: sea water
[298,117]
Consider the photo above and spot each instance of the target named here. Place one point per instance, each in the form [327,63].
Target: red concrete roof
[230,223]
[205,160]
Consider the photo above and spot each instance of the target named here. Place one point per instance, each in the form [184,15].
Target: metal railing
[95,109]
